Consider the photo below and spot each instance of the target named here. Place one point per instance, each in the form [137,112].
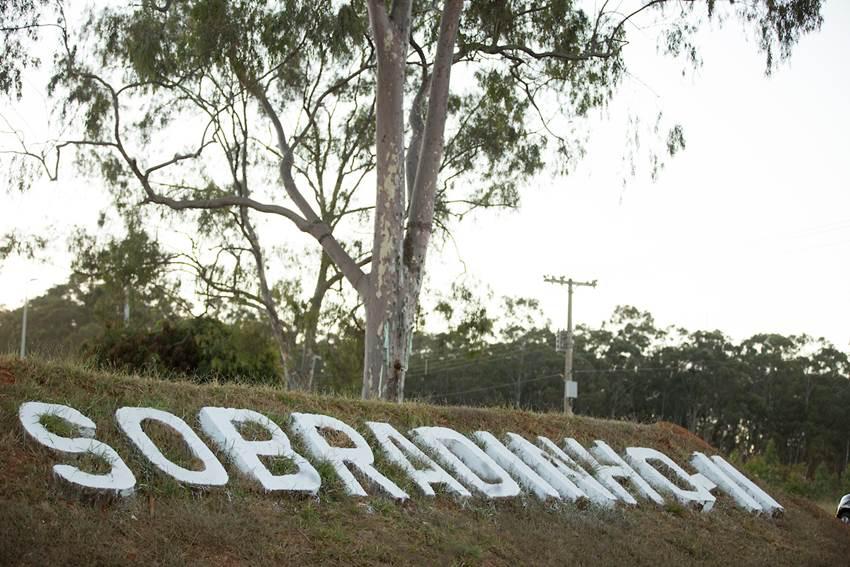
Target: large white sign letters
[461,466]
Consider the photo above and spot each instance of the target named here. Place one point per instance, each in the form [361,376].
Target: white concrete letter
[466,459]
[620,469]
[397,448]
[711,471]
[308,426]
[538,461]
[740,484]
[699,496]
[130,421]
[119,479]
[607,475]
[521,472]
[220,425]
[597,493]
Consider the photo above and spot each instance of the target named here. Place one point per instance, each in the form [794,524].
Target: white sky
[747,230]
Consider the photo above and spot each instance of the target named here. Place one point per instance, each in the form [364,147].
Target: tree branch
[417,124]
[227,201]
[420,219]
[317,228]
[178,158]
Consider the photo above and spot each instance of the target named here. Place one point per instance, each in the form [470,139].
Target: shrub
[202,348]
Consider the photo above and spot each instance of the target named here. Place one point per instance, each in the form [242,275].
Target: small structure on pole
[570,385]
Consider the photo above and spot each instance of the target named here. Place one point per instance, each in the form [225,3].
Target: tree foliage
[180,100]
[126,279]
[59,321]
[769,394]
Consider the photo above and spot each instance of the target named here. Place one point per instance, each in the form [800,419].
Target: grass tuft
[58,426]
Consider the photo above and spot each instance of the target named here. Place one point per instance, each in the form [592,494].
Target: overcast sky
[747,230]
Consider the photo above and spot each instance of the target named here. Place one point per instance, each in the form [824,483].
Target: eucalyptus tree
[126,278]
[15,244]
[142,78]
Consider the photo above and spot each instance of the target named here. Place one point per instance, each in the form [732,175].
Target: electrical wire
[454,365]
[540,378]
[486,388]
[494,349]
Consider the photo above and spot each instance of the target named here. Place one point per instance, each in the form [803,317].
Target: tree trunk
[127,289]
[266,295]
[311,324]
[385,357]
[282,347]
[387,351]
[398,254]
[420,219]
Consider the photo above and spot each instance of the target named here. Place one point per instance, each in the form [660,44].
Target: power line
[496,349]
[454,365]
[545,348]
[451,365]
[634,370]
[545,377]
[487,388]
[444,364]
[487,347]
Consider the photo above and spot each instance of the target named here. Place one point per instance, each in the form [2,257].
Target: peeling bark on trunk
[385,357]
[398,255]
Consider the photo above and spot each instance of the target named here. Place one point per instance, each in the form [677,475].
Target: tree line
[778,402]
[769,394]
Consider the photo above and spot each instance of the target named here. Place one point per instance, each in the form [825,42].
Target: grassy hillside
[167,524]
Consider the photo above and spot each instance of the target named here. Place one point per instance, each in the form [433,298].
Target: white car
[843,512]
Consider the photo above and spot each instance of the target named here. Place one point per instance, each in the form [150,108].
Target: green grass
[93,463]
[58,426]
[166,523]
[279,465]
[251,431]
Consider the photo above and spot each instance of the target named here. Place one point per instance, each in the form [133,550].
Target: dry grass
[169,524]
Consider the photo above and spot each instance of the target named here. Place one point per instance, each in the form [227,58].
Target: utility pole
[127,306]
[24,328]
[24,321]
[518,398]
[570,385]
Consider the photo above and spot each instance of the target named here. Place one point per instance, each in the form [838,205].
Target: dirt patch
[680,431]
[172,445]
[336,438]
[6,376]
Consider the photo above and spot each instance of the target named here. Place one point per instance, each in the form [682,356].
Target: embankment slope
[165,523]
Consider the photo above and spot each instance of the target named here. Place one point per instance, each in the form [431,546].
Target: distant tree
[126,278]
[775,395]
[58,323]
